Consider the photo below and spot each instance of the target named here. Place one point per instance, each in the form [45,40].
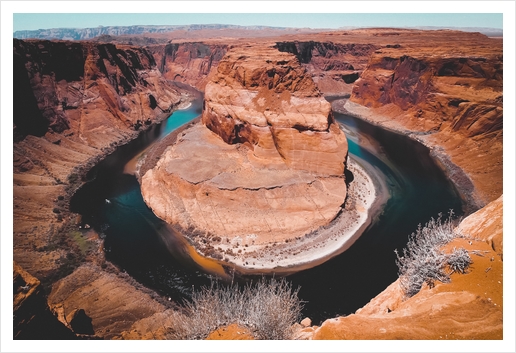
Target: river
[112,203]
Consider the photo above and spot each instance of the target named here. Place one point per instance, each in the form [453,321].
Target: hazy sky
[28,21]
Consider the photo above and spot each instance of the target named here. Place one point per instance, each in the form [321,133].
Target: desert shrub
[459,260]
[268,309]
[423,261]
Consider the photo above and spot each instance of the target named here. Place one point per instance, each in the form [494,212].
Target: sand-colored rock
[189,62]
[66,134]
[32,318]
[73,104]
[231,332]
[486,224]
[264,98]
[203,182]
[334,66]
[469,307]
[111,301]
[266,166]
[447,90]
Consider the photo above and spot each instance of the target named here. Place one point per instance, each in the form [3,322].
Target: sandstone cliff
[265,167]
[266,99]
[73,104]
[334,66]
[469,307]
[189,62]
[448,92]
[69,112]
[32,318]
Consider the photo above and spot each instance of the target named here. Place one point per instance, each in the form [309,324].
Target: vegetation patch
[423,261]
[268,309]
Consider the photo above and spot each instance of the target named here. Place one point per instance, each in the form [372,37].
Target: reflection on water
[137,241]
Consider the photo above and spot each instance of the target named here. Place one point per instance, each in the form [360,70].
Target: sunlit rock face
[267,163]
[265,99]
[447,86]
[471,304]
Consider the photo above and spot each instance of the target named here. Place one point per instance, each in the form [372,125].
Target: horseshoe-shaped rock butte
[263,168]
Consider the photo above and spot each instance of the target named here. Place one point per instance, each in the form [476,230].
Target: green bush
[268,309]
[424,262]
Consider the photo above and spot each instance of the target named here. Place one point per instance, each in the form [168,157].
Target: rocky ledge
[264,169]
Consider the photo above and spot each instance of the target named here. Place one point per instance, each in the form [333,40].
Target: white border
[10,7]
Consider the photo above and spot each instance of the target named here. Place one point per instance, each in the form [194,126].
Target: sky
[32,21]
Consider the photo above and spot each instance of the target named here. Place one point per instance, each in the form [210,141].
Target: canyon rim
[259,180]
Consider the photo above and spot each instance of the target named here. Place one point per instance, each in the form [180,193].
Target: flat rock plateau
[75,102]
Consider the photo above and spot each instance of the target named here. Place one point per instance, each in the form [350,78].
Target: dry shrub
[424,262]
[459,260]
[268,309]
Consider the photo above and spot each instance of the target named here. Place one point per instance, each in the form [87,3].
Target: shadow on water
[419,190]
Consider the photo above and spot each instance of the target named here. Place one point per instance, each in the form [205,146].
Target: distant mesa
[236,30]
[89,33]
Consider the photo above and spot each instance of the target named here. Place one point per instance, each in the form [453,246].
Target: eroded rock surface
[32,317]
[73,104]
[469,307]
[189,62]
[447,89]
[48,155]
[267,164]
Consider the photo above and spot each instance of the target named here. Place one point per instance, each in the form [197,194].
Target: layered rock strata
[469,307]
[267,163]
[450,96]
[189,62]
[73,104]
[32,318]
[41,182]
[334,66]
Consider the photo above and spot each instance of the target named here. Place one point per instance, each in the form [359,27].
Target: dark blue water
[418,191]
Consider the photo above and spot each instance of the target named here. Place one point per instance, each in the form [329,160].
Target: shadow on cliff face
[36,103]
[32,318]
[27,117]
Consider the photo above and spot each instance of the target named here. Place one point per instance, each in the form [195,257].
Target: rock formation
[188,62]
[334,66]
[469,307]
[266,166]
[32,318]
[447,92]
[73,104]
